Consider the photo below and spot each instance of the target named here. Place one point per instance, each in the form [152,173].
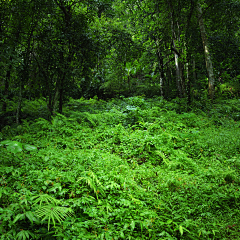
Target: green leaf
[5,142]
[19,216]
[13,146]
[29,147]
[44,198]
[23,235]
[181,230]
[132,224]
[169,221]
[53,213]
[30,216]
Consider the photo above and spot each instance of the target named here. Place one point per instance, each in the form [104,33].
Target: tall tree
[208,60]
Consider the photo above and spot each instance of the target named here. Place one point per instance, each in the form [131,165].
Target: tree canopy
[59,49]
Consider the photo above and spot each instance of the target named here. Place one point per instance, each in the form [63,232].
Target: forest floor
[133,168]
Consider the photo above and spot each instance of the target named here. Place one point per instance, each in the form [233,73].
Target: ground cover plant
[129,168]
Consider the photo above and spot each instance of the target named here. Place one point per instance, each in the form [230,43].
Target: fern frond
[93,182]
[45,198]
[53,213]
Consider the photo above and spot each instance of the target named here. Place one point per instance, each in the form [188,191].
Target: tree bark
[209,65]
[60,107]
[182,78]
[189,99]
[175,37]
[55,100]
[6,86]
[194,70]
[178,76]
[19,103]
[161,69]
[169,77]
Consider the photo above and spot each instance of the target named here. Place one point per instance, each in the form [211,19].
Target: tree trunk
[194,70]
[60,107]
[19,103]
[178,76]
[189,99]
[161,86]
[6,87]
[209,65]
[182,79]
[49,106]
[176,53]
[169,77]
[55,100]
[61,91]
[161,70]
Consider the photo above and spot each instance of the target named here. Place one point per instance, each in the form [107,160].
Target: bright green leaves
[24,234]
[132,168]
[50,210]
[130,69]
[92,181]
[29,147]
[53,213]
[13,146]
[16,147]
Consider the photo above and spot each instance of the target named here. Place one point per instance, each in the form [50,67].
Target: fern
[51,211]
[44,198]
[93,182]
[24,234]
[91,119]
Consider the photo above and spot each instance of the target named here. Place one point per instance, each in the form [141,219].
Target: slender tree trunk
[188,78]
[209,64]
[162,79]
[161,85]
[182,78]
[176,55]
[194,70]
[178,76]
[60,107]
[55,100]
[24,76]
[19,103]
[6,86]
[161,70]
[61,91]
[62,80]
[169,77]
[47,88]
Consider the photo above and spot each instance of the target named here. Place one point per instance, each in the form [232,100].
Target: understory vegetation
[128,168]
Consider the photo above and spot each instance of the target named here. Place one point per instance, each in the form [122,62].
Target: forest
[119,119]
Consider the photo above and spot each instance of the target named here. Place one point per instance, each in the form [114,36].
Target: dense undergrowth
[123,169]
